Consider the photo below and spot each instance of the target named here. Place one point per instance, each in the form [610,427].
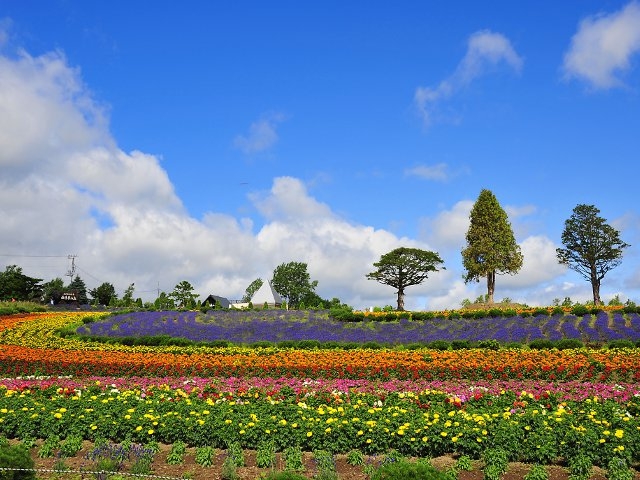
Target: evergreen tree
[491,246]
[15,285]
[104,293]
[592,247]
[78,286]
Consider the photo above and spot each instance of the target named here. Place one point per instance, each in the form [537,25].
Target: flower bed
[538,406]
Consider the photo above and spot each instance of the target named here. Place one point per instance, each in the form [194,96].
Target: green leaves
[592,247]
[404,267]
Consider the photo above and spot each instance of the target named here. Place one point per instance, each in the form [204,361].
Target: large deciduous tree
[491,246]
[592,247]
[251,290]
[183,295]
[292,281]
[104,293]
[52,291]
[403,267]
[15,285]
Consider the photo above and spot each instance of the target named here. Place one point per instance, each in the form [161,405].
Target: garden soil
[190,469]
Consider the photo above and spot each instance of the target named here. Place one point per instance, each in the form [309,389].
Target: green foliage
[620,344]
[50,446]
[251,290]
[355,457]
[439,345]
[541,344]
[286,475]
[404,267]
[266,454]
[293,458]
[592,247]
[537,472]
[326,465]
[183,295]
[204,456]
[579,310]
[177,453]
[580,467]
[292,281]
[235,453]
[489,344]
[463,464]
[71,445]
[404,469]
[229,469]
[78,286]
[18,457]
[496,461]
[617,469]
[569,343]
[491,246]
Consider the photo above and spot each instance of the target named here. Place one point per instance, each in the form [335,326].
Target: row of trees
[591,247]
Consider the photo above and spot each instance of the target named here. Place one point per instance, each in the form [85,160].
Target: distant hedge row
[538,344]
[346,315]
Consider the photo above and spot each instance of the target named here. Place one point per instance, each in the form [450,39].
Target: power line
[32,256]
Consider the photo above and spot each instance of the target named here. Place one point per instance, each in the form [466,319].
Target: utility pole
[72,270]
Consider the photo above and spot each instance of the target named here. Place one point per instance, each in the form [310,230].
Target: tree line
[592,248]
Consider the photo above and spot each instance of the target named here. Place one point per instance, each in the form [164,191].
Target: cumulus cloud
[67,188]
[602,48]
[438,172]
[485,50]
[262,135]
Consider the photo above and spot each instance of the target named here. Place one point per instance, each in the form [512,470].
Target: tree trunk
[491,285]
[400,299]
[595,287]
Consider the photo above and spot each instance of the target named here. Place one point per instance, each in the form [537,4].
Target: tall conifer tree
[491,246]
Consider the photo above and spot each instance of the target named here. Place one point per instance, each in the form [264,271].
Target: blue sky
[207,142]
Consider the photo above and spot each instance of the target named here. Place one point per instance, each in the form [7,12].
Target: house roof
[266,293]
[224,302]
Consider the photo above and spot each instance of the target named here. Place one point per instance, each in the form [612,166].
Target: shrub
[618,344]
[568,343]
[404,469]
[372,345]
[541,344]
[537,472]
[286,475]
[262,344]
[617,469]
[460,344]
[579,310]
[308,344]
[489,344]
[439,345]
[541,311]
[18,457]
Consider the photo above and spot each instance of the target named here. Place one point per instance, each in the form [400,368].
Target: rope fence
[100,475]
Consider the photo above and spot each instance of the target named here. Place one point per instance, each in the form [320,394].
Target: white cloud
[485,50]
[63,174]
[438,172]
[262,135]
[602,47]
[448,229]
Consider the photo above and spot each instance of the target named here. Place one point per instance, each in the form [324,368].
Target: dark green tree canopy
[183,295]
[292,281]
[15,285]
[491,246]
[52,291]
[78,286]
[403,267]
[592,247]
[251,290]
[104,293]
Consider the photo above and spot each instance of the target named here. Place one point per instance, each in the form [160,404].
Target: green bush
[439,345]
[16,456]
[541,344]
[569,343]
[540,311]
[460,344]
[489,344]
[580,310]
[286,475]
[404,470]
[622,343]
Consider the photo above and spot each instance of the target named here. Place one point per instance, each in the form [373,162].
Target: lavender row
[277,325]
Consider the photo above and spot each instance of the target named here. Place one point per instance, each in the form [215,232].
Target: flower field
[538,406]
